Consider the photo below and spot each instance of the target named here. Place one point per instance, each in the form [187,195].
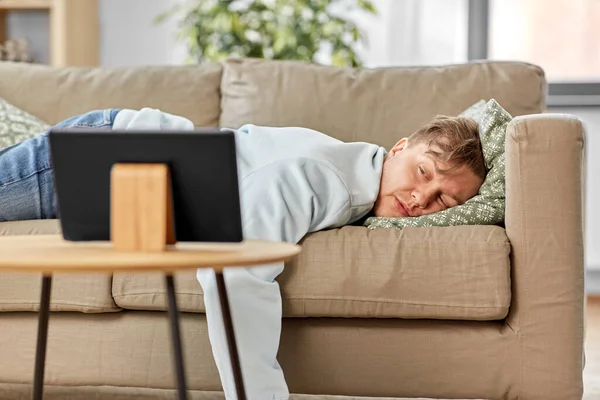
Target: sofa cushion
[17,125]
[54,94]
[374,105]
[89,293]
[458,272]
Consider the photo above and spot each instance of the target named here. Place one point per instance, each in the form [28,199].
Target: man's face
[411,186]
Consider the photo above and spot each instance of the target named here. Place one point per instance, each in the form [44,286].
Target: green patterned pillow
[487,207]
[475,111]
[17,125]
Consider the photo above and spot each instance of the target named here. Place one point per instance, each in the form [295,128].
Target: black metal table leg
[233,352]
[176,338]
[42,338]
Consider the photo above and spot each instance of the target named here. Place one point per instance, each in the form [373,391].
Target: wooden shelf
[74,29]
[25,5]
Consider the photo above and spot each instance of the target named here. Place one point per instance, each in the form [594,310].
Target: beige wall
[128,34]
[591,117]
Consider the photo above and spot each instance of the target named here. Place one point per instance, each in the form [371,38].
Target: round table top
[51,253]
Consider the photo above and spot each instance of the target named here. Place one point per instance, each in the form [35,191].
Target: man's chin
[386,210]
[383,213]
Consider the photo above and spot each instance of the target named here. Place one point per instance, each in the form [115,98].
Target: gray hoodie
[293,181]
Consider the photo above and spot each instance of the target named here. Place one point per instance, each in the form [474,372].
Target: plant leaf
[279,29]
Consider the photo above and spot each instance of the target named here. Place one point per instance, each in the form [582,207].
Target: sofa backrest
[54,94]
[375,105]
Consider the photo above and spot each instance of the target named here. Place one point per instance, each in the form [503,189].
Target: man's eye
[421,170]
[442,202]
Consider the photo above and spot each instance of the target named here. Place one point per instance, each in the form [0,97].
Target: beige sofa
[458,312]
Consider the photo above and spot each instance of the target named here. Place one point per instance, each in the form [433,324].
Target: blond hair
[457,139]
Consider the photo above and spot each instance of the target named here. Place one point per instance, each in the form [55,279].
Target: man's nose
[422,197]
[419,200]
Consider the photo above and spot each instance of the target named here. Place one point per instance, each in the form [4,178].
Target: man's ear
[398,147]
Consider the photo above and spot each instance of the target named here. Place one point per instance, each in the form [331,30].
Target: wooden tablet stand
[141,207]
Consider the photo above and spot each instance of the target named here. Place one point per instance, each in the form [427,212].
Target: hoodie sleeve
[151,119]
[287,199]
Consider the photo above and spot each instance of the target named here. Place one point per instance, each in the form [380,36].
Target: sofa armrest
[544,181]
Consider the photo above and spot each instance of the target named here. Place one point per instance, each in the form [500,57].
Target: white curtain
[416,32]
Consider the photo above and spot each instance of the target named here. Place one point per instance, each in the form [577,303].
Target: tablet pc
[204,178]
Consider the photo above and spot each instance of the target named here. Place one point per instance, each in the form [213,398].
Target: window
[417,32]
[561,36]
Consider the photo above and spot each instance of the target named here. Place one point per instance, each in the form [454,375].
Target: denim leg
[26,183]
[92,119]
[26,178]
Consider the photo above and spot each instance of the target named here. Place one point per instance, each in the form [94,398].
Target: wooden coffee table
[50,253]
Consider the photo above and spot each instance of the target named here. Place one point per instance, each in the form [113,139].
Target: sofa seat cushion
[460,272]
[89,293]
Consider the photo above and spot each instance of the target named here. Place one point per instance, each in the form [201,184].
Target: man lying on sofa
[293,181]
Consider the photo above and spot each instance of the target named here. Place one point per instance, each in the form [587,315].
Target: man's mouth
[402,208]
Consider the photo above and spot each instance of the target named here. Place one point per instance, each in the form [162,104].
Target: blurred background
[561,36]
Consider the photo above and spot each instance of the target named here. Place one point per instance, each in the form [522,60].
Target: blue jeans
[26,180]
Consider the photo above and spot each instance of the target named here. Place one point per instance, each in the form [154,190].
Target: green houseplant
[272,29]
